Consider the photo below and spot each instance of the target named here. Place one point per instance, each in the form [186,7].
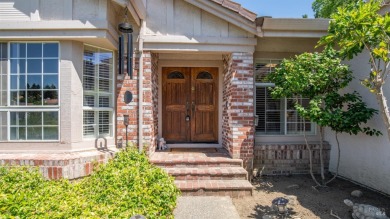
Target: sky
[279,8]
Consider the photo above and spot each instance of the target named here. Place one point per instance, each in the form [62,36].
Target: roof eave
[292,27]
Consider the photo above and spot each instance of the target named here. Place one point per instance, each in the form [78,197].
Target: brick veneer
[238,105]
[284,159]
[63,165]
[150,104]
[124,83]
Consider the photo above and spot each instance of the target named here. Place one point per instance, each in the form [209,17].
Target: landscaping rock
[362,211]
[357,193]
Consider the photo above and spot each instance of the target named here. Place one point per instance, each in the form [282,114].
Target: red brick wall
[123,84]
[238,105]
[150,106]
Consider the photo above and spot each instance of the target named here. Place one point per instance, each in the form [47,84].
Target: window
[29,103]
[98,92]
[277,116]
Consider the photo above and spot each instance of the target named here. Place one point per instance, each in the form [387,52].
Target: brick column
[238,105]
[150,104]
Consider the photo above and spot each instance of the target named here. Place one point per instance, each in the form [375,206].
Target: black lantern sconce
[126,29]
[126,123]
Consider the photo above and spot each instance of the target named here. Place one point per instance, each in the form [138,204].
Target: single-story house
[198,68]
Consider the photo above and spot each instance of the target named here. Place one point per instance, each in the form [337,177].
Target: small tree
[319,77]
[359,27]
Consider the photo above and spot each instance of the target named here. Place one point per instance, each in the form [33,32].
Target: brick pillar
[150,104]
[238,105]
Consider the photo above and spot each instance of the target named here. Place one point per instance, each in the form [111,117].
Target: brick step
[197,162]
[232,188]
[207,173]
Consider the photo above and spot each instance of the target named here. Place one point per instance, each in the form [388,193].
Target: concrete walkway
[205,207]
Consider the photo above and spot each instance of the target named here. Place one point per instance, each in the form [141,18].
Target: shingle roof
[236,7]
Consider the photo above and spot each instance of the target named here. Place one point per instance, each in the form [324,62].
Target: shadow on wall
[17,10]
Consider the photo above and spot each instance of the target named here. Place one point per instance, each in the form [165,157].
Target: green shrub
[125,186]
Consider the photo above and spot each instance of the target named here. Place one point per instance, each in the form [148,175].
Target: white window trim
[284,123]
[97,109]
[44,108]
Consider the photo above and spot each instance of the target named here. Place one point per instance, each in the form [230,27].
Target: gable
[178,17]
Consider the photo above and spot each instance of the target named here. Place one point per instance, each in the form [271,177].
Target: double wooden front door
[190,105]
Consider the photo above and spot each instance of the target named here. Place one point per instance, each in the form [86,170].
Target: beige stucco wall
[364,159]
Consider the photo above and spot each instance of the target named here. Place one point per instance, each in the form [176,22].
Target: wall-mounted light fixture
[126,29]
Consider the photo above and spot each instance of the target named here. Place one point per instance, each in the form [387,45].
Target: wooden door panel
[204,96]
[175,104]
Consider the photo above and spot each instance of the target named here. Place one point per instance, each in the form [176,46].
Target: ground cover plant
[126,186]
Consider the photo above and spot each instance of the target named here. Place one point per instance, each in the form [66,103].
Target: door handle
[193,106]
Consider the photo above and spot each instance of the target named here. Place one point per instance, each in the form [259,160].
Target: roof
[236,7]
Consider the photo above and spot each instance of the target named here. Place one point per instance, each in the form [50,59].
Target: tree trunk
[338,159]
[384,109]
[321,155]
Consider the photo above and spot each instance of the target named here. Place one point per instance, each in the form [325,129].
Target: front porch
[207,171]
[223,104]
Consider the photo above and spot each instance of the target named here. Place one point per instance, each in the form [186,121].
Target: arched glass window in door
[175,75]
[204,75]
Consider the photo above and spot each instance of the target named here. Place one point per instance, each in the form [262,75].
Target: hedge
[126,186]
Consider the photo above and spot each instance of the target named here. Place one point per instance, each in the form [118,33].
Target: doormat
[193,150]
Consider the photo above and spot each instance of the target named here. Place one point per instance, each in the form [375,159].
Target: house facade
[198,65]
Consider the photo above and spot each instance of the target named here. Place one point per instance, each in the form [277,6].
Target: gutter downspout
[140,86]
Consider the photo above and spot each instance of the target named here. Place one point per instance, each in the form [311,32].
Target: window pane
[34,50]
[18,133]
[89,100]
[89,117]
[14,98]
[50,97]
[34,133]
[104,123]
[50,133]
[14,82]
[50,66]
[18,118]
[104,101]
[89,121]
[18,50]
[50,82]
[104,85]
[264,68]
[34,66]
[34,82]
[34,97]
[18,66]
[50,50]
[50,118]
[34,118]
[89,83]
[3,126]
